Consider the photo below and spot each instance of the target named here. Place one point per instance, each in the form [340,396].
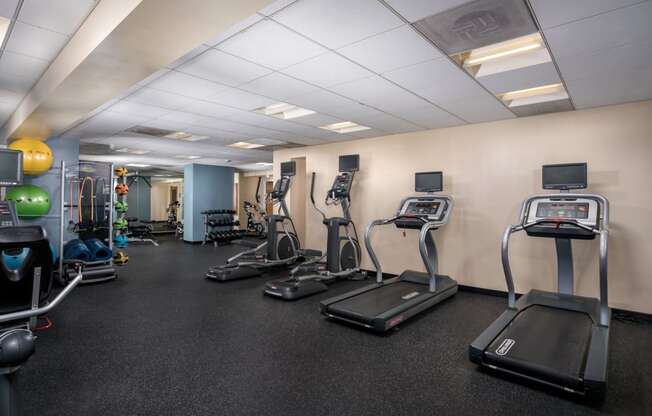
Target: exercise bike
[343,254]
[281,248]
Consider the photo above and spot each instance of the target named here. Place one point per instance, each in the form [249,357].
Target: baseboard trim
[623,315]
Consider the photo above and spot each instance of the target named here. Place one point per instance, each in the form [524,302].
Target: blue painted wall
[139,199]
[204,187]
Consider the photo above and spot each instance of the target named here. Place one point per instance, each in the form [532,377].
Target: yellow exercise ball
[37,156]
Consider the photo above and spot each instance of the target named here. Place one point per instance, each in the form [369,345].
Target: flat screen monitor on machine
[11,167]
[349,163]
[428,182]
[564,176]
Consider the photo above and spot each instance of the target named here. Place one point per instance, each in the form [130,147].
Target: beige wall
[489,169]
[160,199]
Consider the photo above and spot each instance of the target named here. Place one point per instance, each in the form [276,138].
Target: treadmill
[558,339]
[387,303]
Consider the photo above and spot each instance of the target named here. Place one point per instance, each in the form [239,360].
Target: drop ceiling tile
[326,102]
[56,15]
[180,117]
[240,99]
[604,31]
[380,93]
[16,84]
[269,44]
[7,8]
[278,86]
[611,88]
[552,13]
[479,109]
[255,119]
[164,124]
[36,42]
[10,98]
[215,123]
[22,66]
[223,68]
[327,70]
[430,117]
[393,49]
[163,99]
[238,27]
[207,108]
[336,23]
[186,85]
[367,134]
[275,7]
[188,56]
[388,123]
[137,109]
[217,134]
[437,80]
[521,78]
[414,10]
[108,123]
[600,64]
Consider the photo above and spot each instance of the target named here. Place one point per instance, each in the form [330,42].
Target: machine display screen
[428,182]
[11,172]
[579,210]
[288,168]
[424,208]
[349,163]
[565,176]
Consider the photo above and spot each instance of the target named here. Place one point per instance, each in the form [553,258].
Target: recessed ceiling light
[246,145]
[534,95]
[344,127]
[284,111]
[504,49]
[187,157]
[264,163]
[138,165]
[4,27]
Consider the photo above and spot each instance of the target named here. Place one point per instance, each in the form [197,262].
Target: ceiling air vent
[477,24]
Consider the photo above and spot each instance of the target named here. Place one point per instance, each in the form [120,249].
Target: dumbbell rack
[220,227]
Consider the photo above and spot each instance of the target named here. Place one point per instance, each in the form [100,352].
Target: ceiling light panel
[390,50]
[522,78]
[284,111]
[4,28]
[344,127]
[338,25]
[327,70]
[271,45]
[246,145]
[223,68]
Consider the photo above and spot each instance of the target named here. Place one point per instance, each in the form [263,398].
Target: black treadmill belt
[366,306]
[546,343]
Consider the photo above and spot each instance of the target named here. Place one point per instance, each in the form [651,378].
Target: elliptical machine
[256,224]
[281,249]
[343,254]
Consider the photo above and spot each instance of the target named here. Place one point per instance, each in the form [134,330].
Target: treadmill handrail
[29,313]
[425,229]
[602,229]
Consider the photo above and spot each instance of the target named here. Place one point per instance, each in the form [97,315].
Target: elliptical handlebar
[312,196]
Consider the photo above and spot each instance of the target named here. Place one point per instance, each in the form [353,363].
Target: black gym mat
[161,340]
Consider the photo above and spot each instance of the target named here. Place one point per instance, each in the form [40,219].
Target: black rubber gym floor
[161,340]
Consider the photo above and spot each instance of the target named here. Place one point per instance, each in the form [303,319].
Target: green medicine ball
[31,201]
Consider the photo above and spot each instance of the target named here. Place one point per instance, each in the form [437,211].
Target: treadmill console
[416,211]
[556,209]
[341,186]
[8,217]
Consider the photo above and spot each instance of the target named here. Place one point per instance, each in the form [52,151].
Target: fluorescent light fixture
[187,157]
[4,27]
[284,111]
[132,151]
[178,135]
[531,92]
[138,165]
[246,145]
[505,49]
[264,163]
[344,127]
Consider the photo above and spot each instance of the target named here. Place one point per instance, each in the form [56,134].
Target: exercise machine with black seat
[557,339]
[343,249]
[387,303]
[25,287]
[281,248]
